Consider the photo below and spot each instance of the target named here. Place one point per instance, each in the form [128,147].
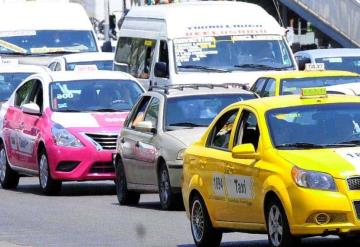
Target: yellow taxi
[291,82]
[286,166]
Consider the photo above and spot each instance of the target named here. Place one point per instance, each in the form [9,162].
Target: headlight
[313,180]
[180,155]
[64,138]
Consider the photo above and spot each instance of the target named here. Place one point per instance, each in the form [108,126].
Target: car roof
[268,103]
[20,68]
[200,90]
[202,15]
[93,75]
[343,52]
[302,74]
[88,56]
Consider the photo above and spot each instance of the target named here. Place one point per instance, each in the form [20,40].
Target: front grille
[106,141]
[357,208]
[102,167]
[354,183]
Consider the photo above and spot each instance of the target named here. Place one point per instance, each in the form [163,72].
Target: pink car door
[29,130]
[12,123]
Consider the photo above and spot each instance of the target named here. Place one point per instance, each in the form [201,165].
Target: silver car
[163,123]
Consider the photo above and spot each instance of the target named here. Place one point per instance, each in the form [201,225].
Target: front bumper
[90,163]
[339,206]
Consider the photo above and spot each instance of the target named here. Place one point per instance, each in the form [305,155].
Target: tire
[125,197]
[9,179]
[48,185]
[168,199]
[350,240]
[279,234]
[204,234]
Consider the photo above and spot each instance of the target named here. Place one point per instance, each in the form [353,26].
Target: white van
[34,31]
[201,42]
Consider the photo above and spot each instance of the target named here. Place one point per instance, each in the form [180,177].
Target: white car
[348,89]
[347,59]
[95,60]
[11,75]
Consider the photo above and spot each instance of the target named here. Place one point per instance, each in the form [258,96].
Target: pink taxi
[63,126]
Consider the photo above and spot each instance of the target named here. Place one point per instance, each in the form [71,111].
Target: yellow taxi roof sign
[314,66]
[313,92]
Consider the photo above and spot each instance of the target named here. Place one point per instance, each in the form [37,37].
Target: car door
[212,162]
[12,123]
[241,175]
[29,131]
[129,141]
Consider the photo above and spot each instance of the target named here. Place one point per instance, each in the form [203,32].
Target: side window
[269,88]
[134,56]
[57,67]
[22,95]
[52,66]
[259,85]
[248,131]
[220,136]
[138,115]
[153,112]
[37,95]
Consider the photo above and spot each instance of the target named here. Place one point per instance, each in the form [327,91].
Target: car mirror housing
[145,126]
[245,151]
[31,108]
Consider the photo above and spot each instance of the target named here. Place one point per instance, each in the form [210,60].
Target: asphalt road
[88,214]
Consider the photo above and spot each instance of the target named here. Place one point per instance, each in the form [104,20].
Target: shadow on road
[73,189]
[151,205]
[308,242]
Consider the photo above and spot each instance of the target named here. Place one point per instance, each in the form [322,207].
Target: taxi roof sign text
[314,66]
[313,92]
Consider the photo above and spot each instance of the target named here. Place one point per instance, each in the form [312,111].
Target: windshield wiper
[205,68]
[69,110]
[299,145]
[107,110]
[255,66]
[187,124]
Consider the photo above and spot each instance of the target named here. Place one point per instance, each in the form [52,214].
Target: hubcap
[44,172]
[2,164]
[164,186]
[275,223]
[197,221]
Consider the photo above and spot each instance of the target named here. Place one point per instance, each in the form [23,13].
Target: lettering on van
[194,49]
[229,29]
[239,187]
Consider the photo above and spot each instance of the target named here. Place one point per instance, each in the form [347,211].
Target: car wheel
[48,185]
[201,228]
[125,197]
[279,234]
[168,199]
[9,179]
[350,240]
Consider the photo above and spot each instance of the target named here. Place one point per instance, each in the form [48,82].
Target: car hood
[89,120]
[339,162]
[243,77]
[187,135]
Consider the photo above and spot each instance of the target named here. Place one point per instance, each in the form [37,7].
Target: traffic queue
[210,113]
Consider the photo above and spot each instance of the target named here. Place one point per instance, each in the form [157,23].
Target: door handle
[202,163]
[122,140]
[137,144]
[229,169]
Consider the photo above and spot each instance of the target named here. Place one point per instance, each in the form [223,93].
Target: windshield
[101,65]
[47,41]
[294,85]
[199,110]
[8,83]
[315,126]
[253,52]
[341,63]
[94,95]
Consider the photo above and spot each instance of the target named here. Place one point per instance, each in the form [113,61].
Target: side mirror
[245,151]
[145,126]
[106,47]
[161,70]
[301,62]
[31,108]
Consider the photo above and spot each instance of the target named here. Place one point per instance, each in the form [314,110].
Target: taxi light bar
[314,66]
[313,92]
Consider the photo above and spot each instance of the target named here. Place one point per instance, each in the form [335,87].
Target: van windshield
[47,41]
[246,52]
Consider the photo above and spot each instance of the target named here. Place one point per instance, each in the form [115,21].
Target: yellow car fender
[275,184]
